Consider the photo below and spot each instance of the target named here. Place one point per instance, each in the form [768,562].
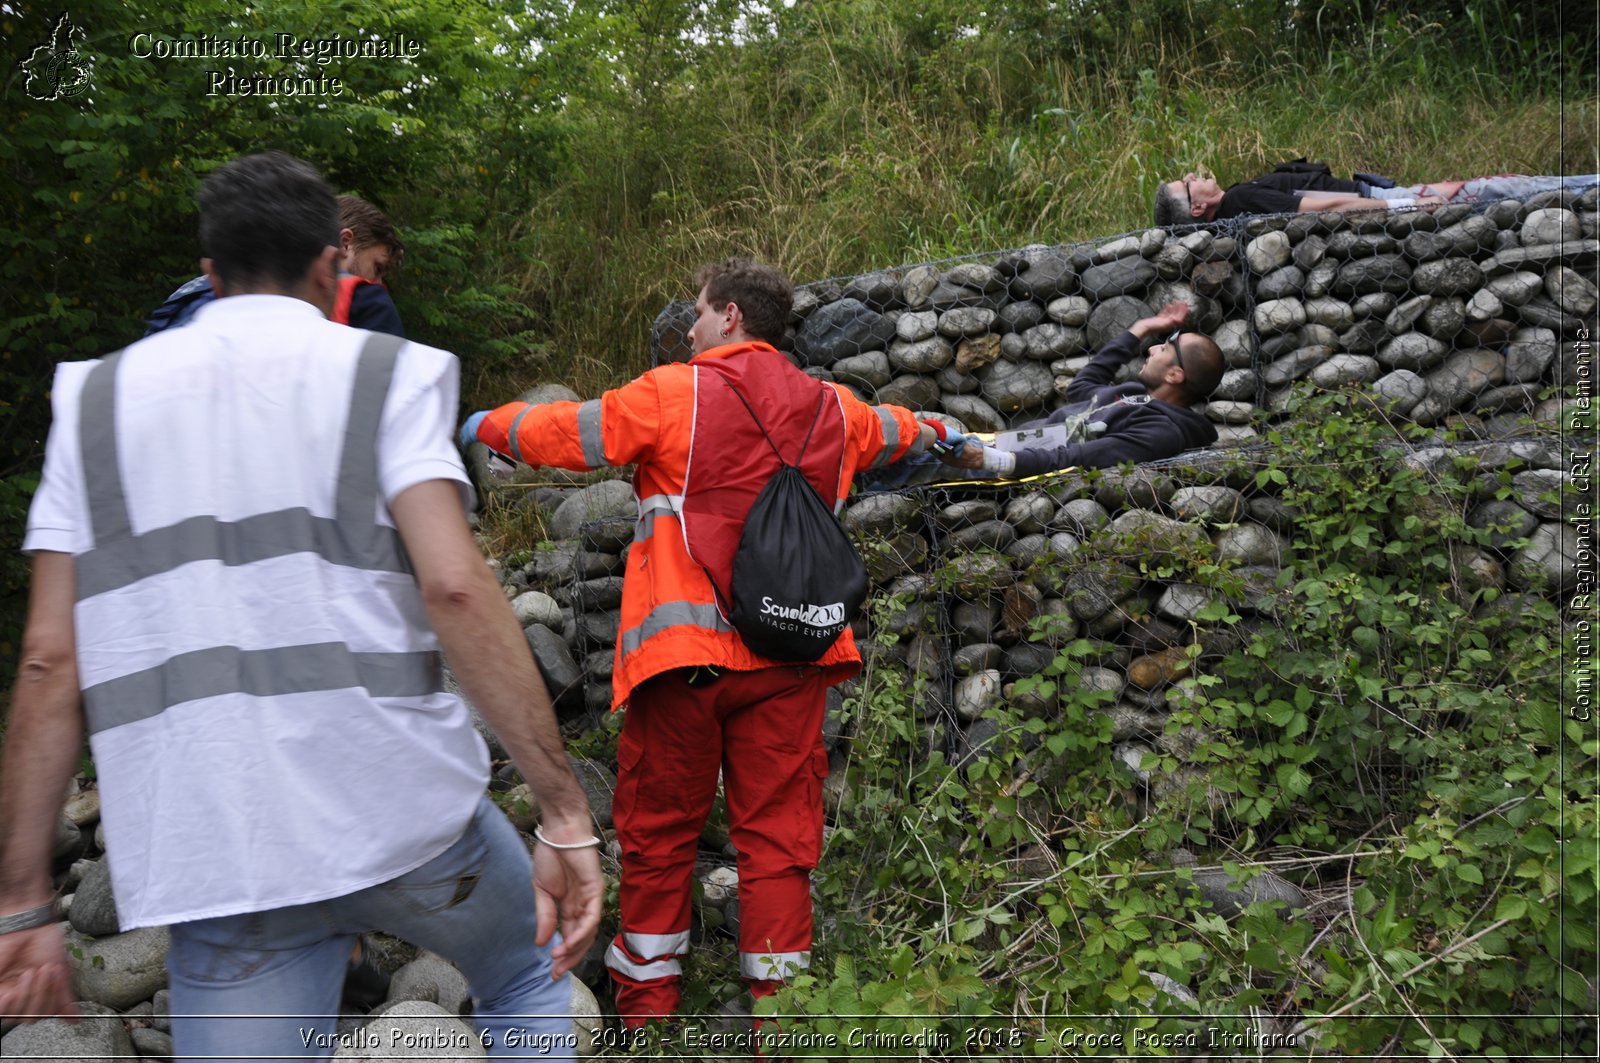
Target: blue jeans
[265,985]
[1490,189]
[1519,186]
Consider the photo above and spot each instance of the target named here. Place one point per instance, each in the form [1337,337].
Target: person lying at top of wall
[1103,424]
[1302,186]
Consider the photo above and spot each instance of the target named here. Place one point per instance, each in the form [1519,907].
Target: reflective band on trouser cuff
[657,944]
[652,507]
[618,961]
[772,966]
[672,614]
[257,538]
[590,434]
[891,437]
[257,673]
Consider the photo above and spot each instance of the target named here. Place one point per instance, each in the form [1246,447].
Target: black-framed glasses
[1177,351]
[1187,194]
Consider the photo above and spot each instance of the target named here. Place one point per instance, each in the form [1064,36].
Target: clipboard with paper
[1074,428]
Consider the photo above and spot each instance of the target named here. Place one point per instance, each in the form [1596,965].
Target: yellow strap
[993,482]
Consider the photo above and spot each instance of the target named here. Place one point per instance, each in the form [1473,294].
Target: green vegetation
[558,170]
[1383,738]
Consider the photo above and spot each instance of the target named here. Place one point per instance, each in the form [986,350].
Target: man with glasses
[1145,419]
[1302,186]
[1102,424]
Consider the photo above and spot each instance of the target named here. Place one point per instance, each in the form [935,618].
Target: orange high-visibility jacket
[348,283]
[670,617]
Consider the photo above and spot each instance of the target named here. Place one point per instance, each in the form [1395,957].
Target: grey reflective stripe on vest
[591,436]
[353,539]
[97,439]
[257,538]
[356,496]
[891,437]
[672,614]
[652,507]
[258,673]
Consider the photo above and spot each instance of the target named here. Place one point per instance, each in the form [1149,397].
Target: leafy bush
[1378,742]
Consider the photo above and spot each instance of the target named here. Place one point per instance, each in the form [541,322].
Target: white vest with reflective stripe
[262,689]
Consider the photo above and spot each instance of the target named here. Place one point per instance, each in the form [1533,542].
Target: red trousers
[763,731]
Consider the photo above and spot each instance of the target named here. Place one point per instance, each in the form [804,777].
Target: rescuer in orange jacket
[698,700]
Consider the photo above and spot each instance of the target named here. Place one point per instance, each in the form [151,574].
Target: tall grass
[859,144]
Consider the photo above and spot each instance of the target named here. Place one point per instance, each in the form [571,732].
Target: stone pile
[1437,312]
[120,979]
[979,588]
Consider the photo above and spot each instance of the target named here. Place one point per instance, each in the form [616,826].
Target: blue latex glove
[952,443]
[469,431]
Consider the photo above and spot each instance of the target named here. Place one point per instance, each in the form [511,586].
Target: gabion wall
[1457,309]
[1461,318]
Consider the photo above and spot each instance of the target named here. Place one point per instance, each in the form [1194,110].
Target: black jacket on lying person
[1137,427]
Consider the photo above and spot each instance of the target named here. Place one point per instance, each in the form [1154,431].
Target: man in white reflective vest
[249,546]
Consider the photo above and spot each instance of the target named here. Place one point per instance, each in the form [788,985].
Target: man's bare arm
[1319,201]
[490,657]
[487,651]
[43,739]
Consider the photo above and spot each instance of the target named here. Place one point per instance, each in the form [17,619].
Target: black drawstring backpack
[797,579]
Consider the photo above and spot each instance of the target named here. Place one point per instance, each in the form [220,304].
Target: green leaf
[967,929]
[1510,906]
[1294,779]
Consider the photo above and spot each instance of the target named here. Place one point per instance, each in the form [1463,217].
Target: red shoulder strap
[348,283]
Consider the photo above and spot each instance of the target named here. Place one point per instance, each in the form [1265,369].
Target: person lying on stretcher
[1103,424]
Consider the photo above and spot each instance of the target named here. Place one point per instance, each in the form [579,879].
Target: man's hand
[483,643]
[35,980]
[43,738]
[567,883]
[968,457]
[1162,321]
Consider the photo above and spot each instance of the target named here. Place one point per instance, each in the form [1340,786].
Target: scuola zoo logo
[56,70]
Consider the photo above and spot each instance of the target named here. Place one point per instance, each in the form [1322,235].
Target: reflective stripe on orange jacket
[669,613]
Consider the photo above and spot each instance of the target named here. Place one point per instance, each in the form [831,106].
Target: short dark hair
[369,226]
[1171,208]
[264,219]
[764,295]
[1202,366]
